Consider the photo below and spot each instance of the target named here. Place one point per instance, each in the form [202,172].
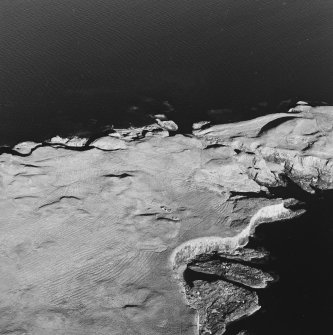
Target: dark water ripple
[65,62]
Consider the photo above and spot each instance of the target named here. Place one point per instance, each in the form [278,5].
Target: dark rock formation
[140,233]
[234,272]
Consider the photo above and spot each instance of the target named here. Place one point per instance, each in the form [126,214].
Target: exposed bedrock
[139,232]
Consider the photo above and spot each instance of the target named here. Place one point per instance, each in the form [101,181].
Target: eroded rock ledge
[141,233]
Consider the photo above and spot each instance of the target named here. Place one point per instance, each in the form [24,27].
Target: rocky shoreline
[139,232]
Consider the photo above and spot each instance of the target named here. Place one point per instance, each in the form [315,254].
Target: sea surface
[71,66]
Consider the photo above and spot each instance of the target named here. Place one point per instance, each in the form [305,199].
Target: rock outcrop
[141,233]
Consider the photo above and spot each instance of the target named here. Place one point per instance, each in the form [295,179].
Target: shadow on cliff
[301,255]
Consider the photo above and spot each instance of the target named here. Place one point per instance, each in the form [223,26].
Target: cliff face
[141,233]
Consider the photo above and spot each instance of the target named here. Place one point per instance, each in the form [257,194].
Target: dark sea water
[67,65]
[299,303]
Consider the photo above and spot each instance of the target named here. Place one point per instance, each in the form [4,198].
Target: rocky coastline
[140,232]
